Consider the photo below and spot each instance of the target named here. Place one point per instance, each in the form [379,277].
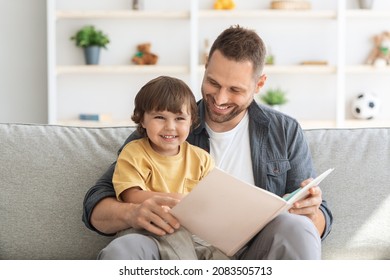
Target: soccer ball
[365,106]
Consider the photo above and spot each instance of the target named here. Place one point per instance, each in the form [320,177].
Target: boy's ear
[141,123]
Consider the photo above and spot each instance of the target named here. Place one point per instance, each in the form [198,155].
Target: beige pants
[181,245]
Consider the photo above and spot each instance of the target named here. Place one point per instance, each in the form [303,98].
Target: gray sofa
[46,171]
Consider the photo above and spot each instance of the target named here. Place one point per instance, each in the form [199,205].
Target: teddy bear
[380,55]
[224,5]
[144,56]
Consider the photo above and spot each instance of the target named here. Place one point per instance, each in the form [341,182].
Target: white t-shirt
[231,150]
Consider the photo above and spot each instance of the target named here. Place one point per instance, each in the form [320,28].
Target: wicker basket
[291,5]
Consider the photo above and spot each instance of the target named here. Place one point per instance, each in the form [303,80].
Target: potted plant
[366,4]
[274,97]
[91,40]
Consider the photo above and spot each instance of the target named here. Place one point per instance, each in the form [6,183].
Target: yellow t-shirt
[138,165]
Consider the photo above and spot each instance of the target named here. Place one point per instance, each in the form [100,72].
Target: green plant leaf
[89,36]
[275,96]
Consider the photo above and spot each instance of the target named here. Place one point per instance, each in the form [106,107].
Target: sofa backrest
[358,190]
[46,171]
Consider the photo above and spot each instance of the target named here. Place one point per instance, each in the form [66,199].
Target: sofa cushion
[45,174]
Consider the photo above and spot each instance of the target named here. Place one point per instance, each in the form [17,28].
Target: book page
[303,192]
[227,212]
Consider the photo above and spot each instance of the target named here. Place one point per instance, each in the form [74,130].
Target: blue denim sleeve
[103,188]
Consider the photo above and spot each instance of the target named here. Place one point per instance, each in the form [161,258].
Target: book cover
[227,212]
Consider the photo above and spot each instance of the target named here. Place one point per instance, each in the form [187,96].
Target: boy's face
[166,130]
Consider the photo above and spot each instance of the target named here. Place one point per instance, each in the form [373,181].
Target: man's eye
[214,83]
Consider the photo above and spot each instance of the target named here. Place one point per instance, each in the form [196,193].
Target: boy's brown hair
[164,94]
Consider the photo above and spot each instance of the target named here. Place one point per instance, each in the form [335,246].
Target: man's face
[228,88]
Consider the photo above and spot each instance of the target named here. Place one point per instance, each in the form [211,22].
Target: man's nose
[221,96]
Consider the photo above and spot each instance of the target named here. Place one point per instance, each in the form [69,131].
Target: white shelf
[366,123]
[367,69]
[122,14]
[83,123]
[300,69]
[152,69]
[367,14]
[306,124]
[121,69]
[294,69]
[314,124]
[350,123]
[268,14]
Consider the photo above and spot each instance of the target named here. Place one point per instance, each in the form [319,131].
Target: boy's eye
[159,117]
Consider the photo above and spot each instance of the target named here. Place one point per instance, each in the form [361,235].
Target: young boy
[162,162]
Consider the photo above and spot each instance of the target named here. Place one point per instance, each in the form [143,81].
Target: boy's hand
[153,215]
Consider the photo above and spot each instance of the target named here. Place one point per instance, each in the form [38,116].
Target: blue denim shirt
[280,156]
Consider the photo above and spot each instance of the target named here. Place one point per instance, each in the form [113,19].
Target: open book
[227,212]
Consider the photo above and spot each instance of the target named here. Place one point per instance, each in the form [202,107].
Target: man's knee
[288,236]
[295,226]
[297,237]
[130,247]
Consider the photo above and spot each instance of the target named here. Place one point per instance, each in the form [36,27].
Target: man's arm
[313,206]
[102,190]
[110,216]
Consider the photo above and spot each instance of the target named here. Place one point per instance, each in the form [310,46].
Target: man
[255,143]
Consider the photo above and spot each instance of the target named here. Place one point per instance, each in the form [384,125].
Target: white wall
[23,89]
[23,72]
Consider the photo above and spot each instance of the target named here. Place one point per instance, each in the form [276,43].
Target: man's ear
[260,83]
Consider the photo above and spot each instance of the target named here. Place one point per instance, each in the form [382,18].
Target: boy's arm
[137,195]
[110,215]
[106,215]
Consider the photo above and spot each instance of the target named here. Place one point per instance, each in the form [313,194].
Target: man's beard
[221,118]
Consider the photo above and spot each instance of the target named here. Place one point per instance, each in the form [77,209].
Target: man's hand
[310,206]
[153,215]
